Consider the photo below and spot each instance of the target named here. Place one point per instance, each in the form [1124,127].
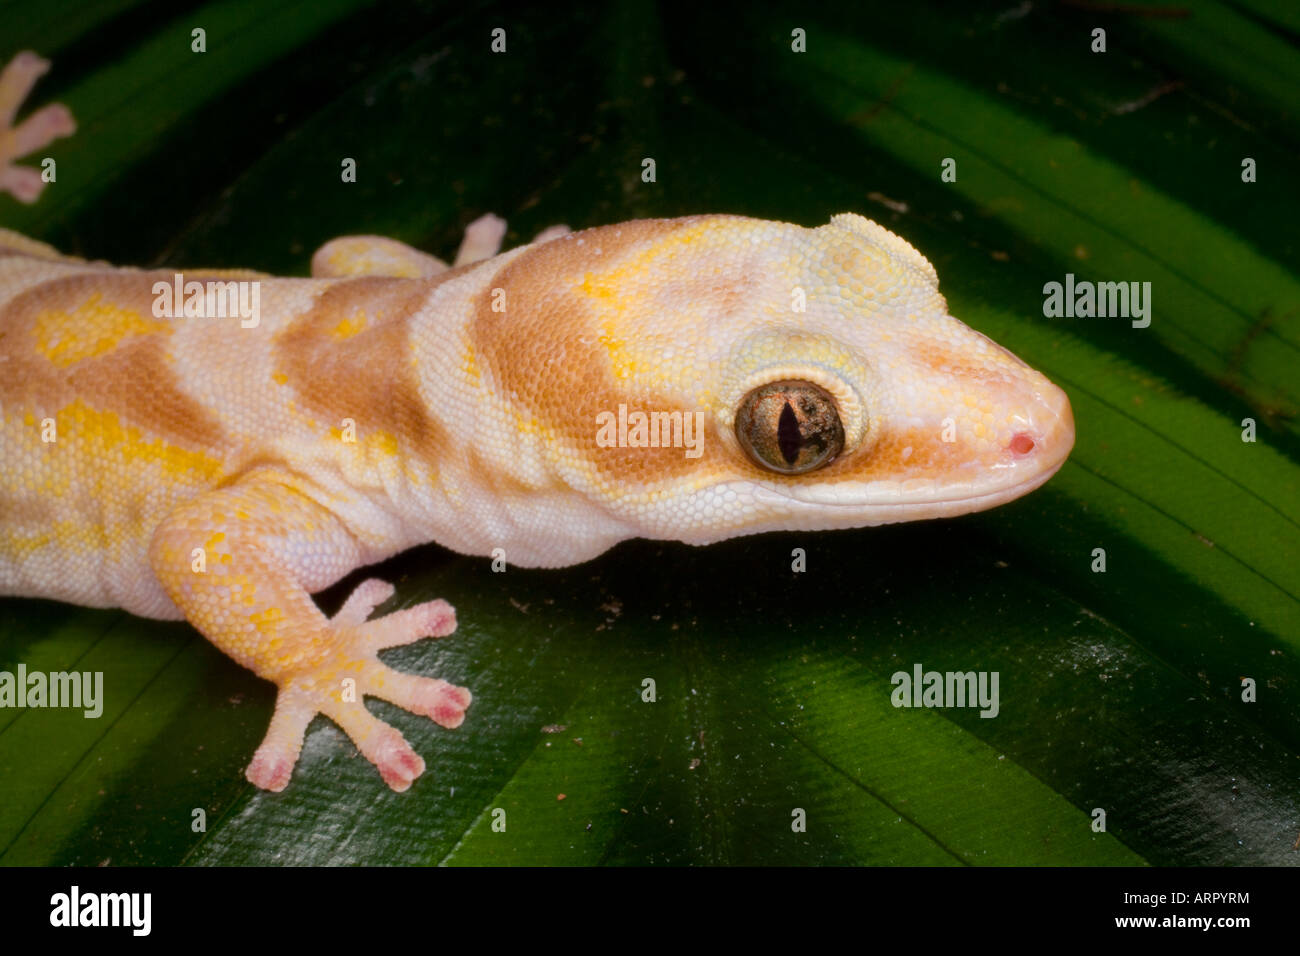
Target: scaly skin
[197,468]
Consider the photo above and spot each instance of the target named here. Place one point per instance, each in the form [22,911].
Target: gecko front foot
[342,671]
[38,130]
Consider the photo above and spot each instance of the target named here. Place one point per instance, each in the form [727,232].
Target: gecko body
[686,379]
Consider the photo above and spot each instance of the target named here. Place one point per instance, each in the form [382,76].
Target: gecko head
[850,397]
[873,404]
[741,376]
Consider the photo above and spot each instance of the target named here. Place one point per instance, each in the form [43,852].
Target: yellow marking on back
[620,365]
[383,442]
[349,326]
[639,262]
[526,426]
[267,621]
[93,328]
[611,312]
[68,536]
[80,422]
[16,545]
[470,364]
[605,286]
[604,290]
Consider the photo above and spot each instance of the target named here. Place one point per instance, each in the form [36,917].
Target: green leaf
[1119,691]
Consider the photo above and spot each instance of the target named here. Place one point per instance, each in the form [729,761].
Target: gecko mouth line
[998,494]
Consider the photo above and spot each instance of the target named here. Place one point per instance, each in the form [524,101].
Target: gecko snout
[1049,433]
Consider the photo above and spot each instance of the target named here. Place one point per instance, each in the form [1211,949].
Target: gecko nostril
[1022,444]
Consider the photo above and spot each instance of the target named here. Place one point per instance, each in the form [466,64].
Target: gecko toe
[270,771]
[429,619]
[442,702]
[397,763]
[449,704]
[367,596]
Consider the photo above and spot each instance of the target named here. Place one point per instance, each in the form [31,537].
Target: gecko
[689,379]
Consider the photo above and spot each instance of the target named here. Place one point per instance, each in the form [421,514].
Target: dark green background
[1118,690]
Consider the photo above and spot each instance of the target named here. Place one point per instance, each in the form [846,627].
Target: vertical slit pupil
[788,437]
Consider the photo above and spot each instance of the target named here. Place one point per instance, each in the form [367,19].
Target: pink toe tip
[398,764]
[269,773]
[30,62]
[449,716]
[439,619]
[61,121]
[401,772]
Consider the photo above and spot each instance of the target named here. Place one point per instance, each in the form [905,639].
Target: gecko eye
[790,427]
